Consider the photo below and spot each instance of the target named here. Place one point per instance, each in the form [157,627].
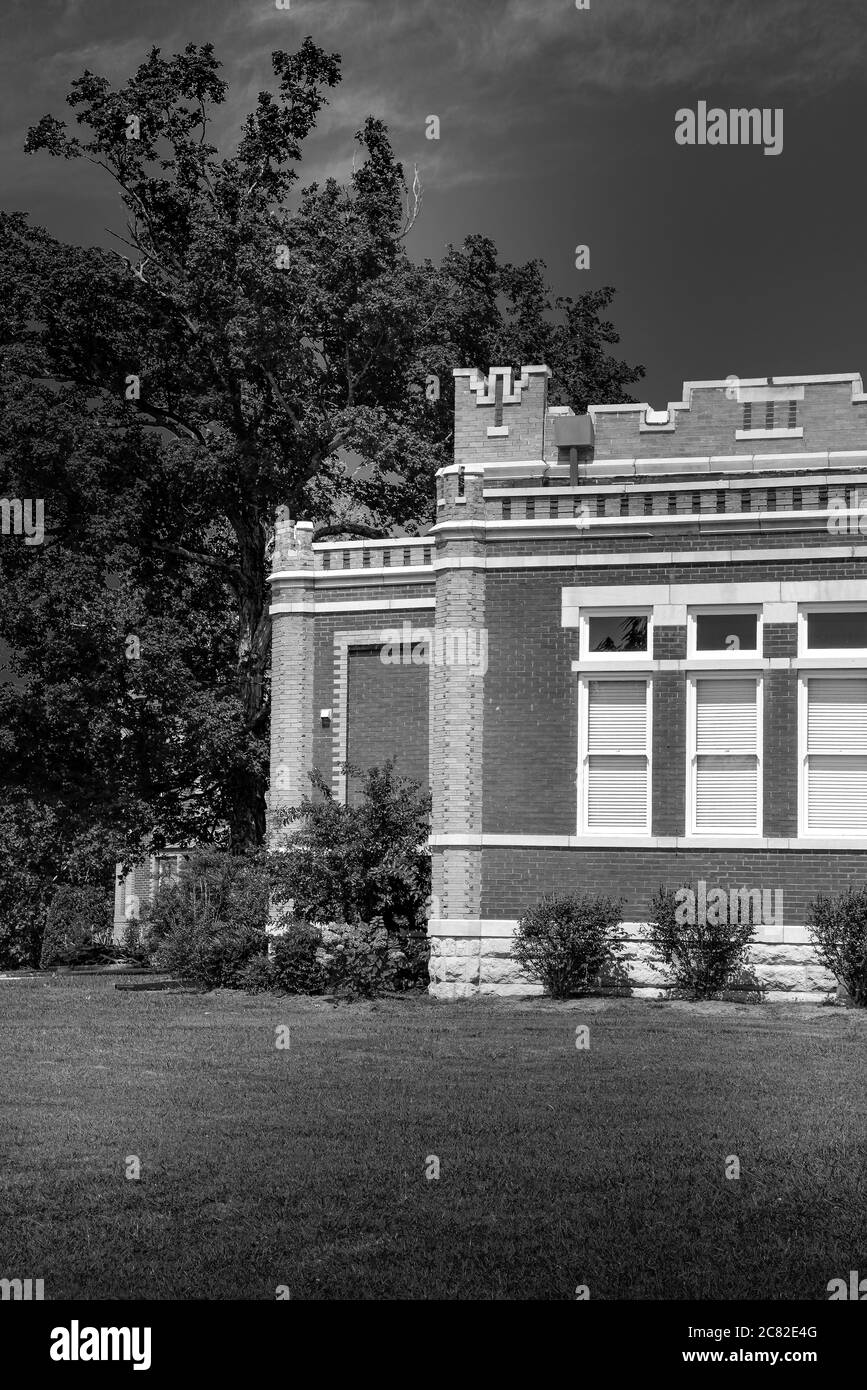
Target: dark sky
[557,128]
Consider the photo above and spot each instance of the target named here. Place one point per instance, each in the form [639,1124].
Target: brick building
[631,651]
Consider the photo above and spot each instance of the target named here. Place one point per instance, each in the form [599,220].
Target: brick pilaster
[292,701]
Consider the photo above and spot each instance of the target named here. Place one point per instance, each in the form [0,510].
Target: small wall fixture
[325,718]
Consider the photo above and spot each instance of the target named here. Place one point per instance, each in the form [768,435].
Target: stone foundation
[474,957]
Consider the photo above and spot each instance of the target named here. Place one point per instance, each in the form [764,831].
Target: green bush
[571,942]
[78,927]
[256,976]
[133,941]
[360,862]
[297,963]
[23,916]
[26,886]
[704,957]
[358,961]
[211,923]
[838,926]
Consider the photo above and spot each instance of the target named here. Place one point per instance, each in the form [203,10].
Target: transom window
[724,631]
[615,633]
[830,631]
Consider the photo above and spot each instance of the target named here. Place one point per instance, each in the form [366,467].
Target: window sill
[770,434]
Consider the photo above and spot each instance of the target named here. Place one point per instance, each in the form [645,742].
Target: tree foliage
[247,342]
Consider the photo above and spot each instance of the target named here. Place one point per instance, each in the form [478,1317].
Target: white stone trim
[485,386]
[467,928]
[632,558]
[375,574]
[576,597]
[642,468]
[760,395]
[781,433]
[372,605]
[703,523]
[475,468]
[489,840]
[700,485]
[373,544]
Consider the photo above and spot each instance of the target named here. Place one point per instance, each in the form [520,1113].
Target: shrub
[838,927]
[133,941]
[78,926]
[256,976]
[358,959]
[408,960]
[26,886]
[704,957]
[22,926]
[298,963]
[208,925]
[359,862]
[571,942]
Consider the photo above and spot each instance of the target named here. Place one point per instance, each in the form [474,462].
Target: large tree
[250,343]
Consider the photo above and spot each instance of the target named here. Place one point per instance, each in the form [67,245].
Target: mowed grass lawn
[306,1166]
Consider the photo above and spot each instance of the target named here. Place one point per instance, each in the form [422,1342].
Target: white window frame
[584,827]
[827,653]
[804,678]
[638,610]
[740,610]
[727,832]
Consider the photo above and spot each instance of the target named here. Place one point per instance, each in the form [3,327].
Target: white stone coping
[371,543]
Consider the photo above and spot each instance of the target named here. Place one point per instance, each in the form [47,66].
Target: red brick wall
[531,717]
[325,626]
[828,417]
[531,706]
[388,715]
[514,878]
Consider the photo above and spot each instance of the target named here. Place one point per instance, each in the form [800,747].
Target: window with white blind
[834,755]
[614,768]
[725,763]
